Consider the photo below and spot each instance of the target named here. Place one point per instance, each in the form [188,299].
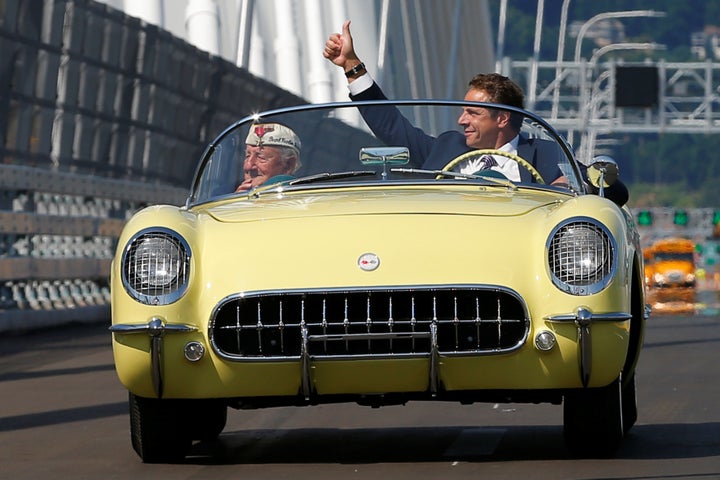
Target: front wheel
[629,402]
[210,419]
[593,420]
[158,429]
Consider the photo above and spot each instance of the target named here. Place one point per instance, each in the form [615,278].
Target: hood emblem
[368,262]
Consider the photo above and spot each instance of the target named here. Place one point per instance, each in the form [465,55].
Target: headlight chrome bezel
[581,256]
[142,279]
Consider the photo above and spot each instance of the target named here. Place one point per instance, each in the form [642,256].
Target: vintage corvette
[357,273]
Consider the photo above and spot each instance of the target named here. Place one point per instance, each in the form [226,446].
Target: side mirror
[602,172]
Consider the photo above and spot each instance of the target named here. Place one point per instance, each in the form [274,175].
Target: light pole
[536,55]
[560,57]
[244,33]
[589,136]
[625,46]
[501,36]
[606,15]
[578,48]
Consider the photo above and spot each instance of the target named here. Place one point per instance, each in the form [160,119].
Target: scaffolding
[581,98]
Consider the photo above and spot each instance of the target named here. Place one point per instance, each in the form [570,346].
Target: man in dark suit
[482,128]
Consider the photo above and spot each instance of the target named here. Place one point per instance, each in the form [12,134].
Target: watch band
[355,70]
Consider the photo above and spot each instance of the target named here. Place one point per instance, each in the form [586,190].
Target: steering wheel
[491,151]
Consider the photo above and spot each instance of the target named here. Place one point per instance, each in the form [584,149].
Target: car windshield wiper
[469,176]
[331,176]
[257,191]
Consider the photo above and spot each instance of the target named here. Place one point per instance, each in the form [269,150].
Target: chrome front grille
[382,322]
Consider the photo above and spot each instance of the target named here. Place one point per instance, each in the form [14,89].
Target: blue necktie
[486,162]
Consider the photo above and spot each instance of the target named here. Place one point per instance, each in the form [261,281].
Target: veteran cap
[273,134]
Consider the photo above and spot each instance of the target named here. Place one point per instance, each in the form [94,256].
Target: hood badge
[368,262]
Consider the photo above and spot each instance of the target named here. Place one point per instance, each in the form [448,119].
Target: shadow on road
[68,415]
[442,444]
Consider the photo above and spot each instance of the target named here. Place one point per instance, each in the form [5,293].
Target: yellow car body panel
[237,248]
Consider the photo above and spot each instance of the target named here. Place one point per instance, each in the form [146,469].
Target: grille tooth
[281,326]
[390,320]
[477,321]
[369,323]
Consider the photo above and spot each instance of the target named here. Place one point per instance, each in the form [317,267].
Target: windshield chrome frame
[207,153]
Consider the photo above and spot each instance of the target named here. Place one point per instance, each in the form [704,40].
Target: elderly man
[272,155]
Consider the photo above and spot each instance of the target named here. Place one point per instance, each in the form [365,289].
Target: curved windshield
[364,143]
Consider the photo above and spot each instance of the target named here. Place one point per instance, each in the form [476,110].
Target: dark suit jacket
[433,153]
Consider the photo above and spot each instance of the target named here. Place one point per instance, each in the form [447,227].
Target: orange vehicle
[648,261]
[670,263]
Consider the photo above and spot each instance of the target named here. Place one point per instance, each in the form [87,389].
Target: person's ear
[290,164]
[503,119]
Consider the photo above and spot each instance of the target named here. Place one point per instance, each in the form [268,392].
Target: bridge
[102,114]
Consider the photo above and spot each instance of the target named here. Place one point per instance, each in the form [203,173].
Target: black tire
[629,403]
[210,420]
[158,429]
[593,421]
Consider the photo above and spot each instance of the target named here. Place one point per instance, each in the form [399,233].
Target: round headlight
[581,256]
[159,261]
[156,266]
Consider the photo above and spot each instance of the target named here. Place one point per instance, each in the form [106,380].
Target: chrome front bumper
[583,319]
[156,328]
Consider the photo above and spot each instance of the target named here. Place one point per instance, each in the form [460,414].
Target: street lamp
[501,35]
[625,46]
[578,44]
[536,54]
[560,55]
[606,15]
[589,136]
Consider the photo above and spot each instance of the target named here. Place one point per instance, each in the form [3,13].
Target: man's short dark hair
[499,88]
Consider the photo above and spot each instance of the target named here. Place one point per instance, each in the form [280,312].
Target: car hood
[304,240]
[479,201]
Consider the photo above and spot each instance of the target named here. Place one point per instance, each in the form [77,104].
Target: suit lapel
[526,150]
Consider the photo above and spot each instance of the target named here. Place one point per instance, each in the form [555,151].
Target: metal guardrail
[100,114]
[580,98]
[58,234]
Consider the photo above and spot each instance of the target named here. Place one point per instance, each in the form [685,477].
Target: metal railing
[100,114]
[579,98]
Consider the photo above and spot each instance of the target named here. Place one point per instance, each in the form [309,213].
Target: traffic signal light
[680,218]
[645,217]
[716,217]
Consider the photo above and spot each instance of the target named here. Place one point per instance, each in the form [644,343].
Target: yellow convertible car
[366,252]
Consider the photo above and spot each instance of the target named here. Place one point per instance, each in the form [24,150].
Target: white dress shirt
[360,84]
[506,166]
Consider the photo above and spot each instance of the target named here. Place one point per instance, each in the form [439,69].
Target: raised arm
[340,51]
